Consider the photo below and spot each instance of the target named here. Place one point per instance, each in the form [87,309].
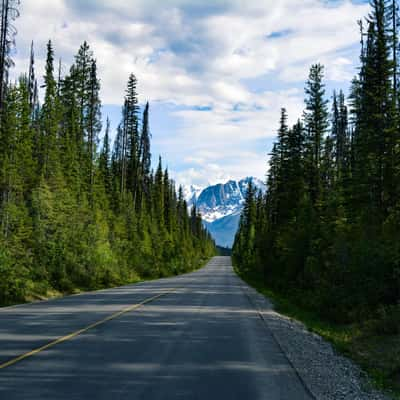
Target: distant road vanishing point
[195,336]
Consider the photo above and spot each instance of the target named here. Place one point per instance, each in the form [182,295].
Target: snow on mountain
[221,200]
[220,206]
[191,193]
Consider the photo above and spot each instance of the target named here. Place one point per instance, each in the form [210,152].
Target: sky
[216,73]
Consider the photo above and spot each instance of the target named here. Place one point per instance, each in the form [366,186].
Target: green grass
[377,354]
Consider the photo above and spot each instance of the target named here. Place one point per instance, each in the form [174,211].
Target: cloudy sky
[216,72]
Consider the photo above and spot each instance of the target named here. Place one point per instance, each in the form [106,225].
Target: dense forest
[75,214]
[327,232]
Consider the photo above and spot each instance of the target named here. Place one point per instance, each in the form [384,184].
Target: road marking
[83,330]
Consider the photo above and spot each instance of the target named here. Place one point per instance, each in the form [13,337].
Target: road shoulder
[327,374]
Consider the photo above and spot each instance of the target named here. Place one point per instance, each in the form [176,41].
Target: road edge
[321,381]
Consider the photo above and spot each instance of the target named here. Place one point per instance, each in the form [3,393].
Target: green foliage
[327,230]
[13,279]
[373,342]
[75,217]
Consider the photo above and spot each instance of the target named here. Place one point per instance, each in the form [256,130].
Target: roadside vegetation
[324,239]
[374,348]
[74,214]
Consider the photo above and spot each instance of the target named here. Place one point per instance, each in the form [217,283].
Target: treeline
[74,214]
[327,232]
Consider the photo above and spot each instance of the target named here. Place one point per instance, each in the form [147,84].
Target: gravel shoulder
[327,374]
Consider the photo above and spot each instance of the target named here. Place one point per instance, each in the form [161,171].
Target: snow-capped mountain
[220,206]
[191,193]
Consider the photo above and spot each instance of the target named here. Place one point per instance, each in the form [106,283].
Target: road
[201,338]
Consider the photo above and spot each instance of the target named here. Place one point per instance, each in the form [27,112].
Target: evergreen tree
[9,12]
[31,79]
[316,125]
[144,152]
[131,133]
[93,119]
[73,216]
[158,194]
[373,151]
[326,233]
[340,134]
[105,160]
[49,152]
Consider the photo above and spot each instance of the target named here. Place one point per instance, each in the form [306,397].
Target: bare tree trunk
[3,48]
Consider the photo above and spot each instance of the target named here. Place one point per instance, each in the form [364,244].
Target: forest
[76,214]
[327,232]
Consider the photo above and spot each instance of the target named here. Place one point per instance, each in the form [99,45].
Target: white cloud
[205,174]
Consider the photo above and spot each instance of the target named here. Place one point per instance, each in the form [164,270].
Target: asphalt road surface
[198,337]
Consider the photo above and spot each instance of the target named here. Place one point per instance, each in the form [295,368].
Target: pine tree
[158,194]
[118,162]
[246,239]
[9,140]
[105,160]
[31,79]
[340,134]
[326,232]
[9,12]
[316,125]
[72,217]
[144,152]
[69,137]
[282,195]
[49,152]
[86,87]
[17,169]
[93,120]
[167,201]
[131,133]
[373,142]
[81,74]
[295,168]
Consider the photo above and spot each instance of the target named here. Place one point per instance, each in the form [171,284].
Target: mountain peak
[220,206]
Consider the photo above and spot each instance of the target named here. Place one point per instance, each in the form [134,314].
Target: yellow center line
[83,330]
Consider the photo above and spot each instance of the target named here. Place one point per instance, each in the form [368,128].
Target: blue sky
[216,73]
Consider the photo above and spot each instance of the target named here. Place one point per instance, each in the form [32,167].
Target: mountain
[223,230]
[191,193]
[220,206]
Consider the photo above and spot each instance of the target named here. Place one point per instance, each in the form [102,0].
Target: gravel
[327,374]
